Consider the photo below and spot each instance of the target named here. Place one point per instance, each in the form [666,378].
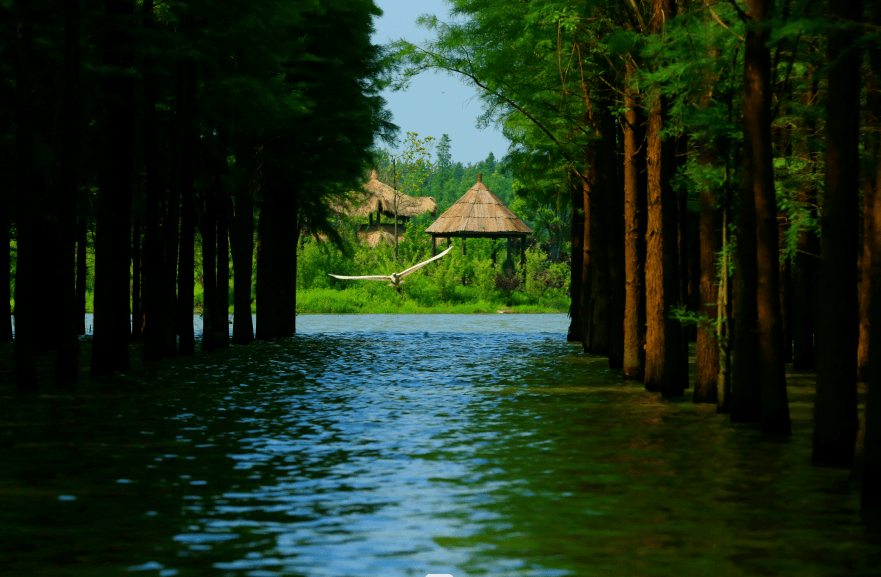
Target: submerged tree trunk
[67,364]
[243,252]
[757,128]
[209,256]
[835,406]
[613,209]
[27,258]
[634,238]
[112,327]
[156,324]
[267,313]
[707,347]
[82,272]
[221,314]
[576,324]
[186,264]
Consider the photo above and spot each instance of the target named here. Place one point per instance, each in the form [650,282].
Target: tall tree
[835,408]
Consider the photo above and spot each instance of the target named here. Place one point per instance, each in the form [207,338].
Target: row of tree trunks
[113,250]
[835,409]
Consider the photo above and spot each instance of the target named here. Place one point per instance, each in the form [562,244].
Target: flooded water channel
[403,445]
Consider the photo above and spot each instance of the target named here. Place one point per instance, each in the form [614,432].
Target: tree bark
[224,210]
[112,326]
[137,307]
[871,495]
[835,406]
[5,280]
[267,313]
[634,239]
[594,280]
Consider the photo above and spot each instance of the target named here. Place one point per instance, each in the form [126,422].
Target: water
[413,444]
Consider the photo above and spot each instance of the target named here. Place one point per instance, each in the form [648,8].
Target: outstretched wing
[416,267]
[370,277]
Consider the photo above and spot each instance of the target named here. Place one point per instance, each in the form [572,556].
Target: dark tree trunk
[137,308]
[5,265]
[156,284]
[666,367]
[27,259]
[757,128]
[707,347]
[186,264]
[745,407]
[871,496]
[82,271]
[786,303]
[835,406]
[67,365]
[614,239]
[595,278]
[112,327]
[634,239]
[243,252]
[284,253]
[209,256]
[576,324]
[267,313]
[221,315]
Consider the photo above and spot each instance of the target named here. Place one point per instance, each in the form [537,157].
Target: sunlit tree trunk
[835,405]
[634,238]
[666,367]
[112,327]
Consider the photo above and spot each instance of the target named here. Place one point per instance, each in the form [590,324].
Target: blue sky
[435,104]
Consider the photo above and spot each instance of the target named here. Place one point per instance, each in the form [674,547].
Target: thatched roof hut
[380,197]
[479,213]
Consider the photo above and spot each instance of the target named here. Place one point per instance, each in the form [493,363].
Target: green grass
[464,301]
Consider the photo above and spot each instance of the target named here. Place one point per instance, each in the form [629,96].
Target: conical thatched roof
[381,197]
[479,213]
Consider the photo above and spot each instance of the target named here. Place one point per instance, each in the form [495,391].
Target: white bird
[395,277]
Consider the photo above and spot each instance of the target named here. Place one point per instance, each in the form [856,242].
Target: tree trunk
[82,272]
[614,239]
[5,265]
[137,308]
[835,405]
[112,326]
[266,297]
[209,256]
[27,259]
[635,234]
[707,351]
[243,252]
[594,280]
[156,283]
[576,324]
[188,142]
[221,315]
[786,302]
[757,128]
[871,495]
[67,364]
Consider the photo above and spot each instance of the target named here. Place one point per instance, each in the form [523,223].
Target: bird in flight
[394,278]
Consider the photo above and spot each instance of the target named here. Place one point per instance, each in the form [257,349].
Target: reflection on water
[414,444]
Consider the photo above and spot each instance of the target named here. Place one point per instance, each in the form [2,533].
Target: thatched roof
[479,213]
[379,196]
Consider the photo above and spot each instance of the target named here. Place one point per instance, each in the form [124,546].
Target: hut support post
[433,245]
[509,264]
[370,221]
[463,254]
[523,256]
